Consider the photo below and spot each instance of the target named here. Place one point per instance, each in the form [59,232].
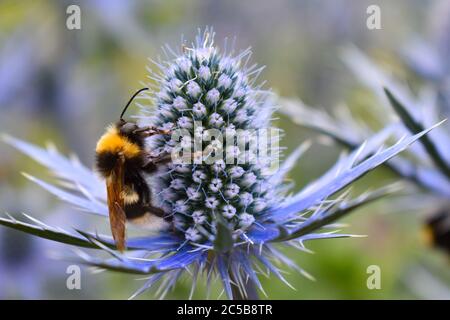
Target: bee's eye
[128,128]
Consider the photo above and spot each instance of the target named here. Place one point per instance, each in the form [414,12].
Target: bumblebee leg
[151,218]
[151,131]
[160,213]
[153,163]
[154,210]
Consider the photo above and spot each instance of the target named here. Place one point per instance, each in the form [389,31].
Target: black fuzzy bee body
[122,159]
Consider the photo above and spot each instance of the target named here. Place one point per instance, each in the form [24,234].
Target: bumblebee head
[131,131]
[127,128]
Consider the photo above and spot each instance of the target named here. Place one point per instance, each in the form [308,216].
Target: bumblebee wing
[117,217]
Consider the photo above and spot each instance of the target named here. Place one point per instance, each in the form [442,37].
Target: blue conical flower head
[209,101]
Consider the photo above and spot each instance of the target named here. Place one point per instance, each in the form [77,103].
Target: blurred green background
[65,86]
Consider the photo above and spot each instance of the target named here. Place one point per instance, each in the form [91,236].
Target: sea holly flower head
[229,213]
[203,89]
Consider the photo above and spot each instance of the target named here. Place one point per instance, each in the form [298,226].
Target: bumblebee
[437,230]
[123,161]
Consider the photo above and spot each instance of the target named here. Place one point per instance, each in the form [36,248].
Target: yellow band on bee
[113,142]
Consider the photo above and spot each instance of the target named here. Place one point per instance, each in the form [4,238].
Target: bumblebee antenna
[129,102]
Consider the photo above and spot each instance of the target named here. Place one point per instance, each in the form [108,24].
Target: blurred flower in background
[425,101]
